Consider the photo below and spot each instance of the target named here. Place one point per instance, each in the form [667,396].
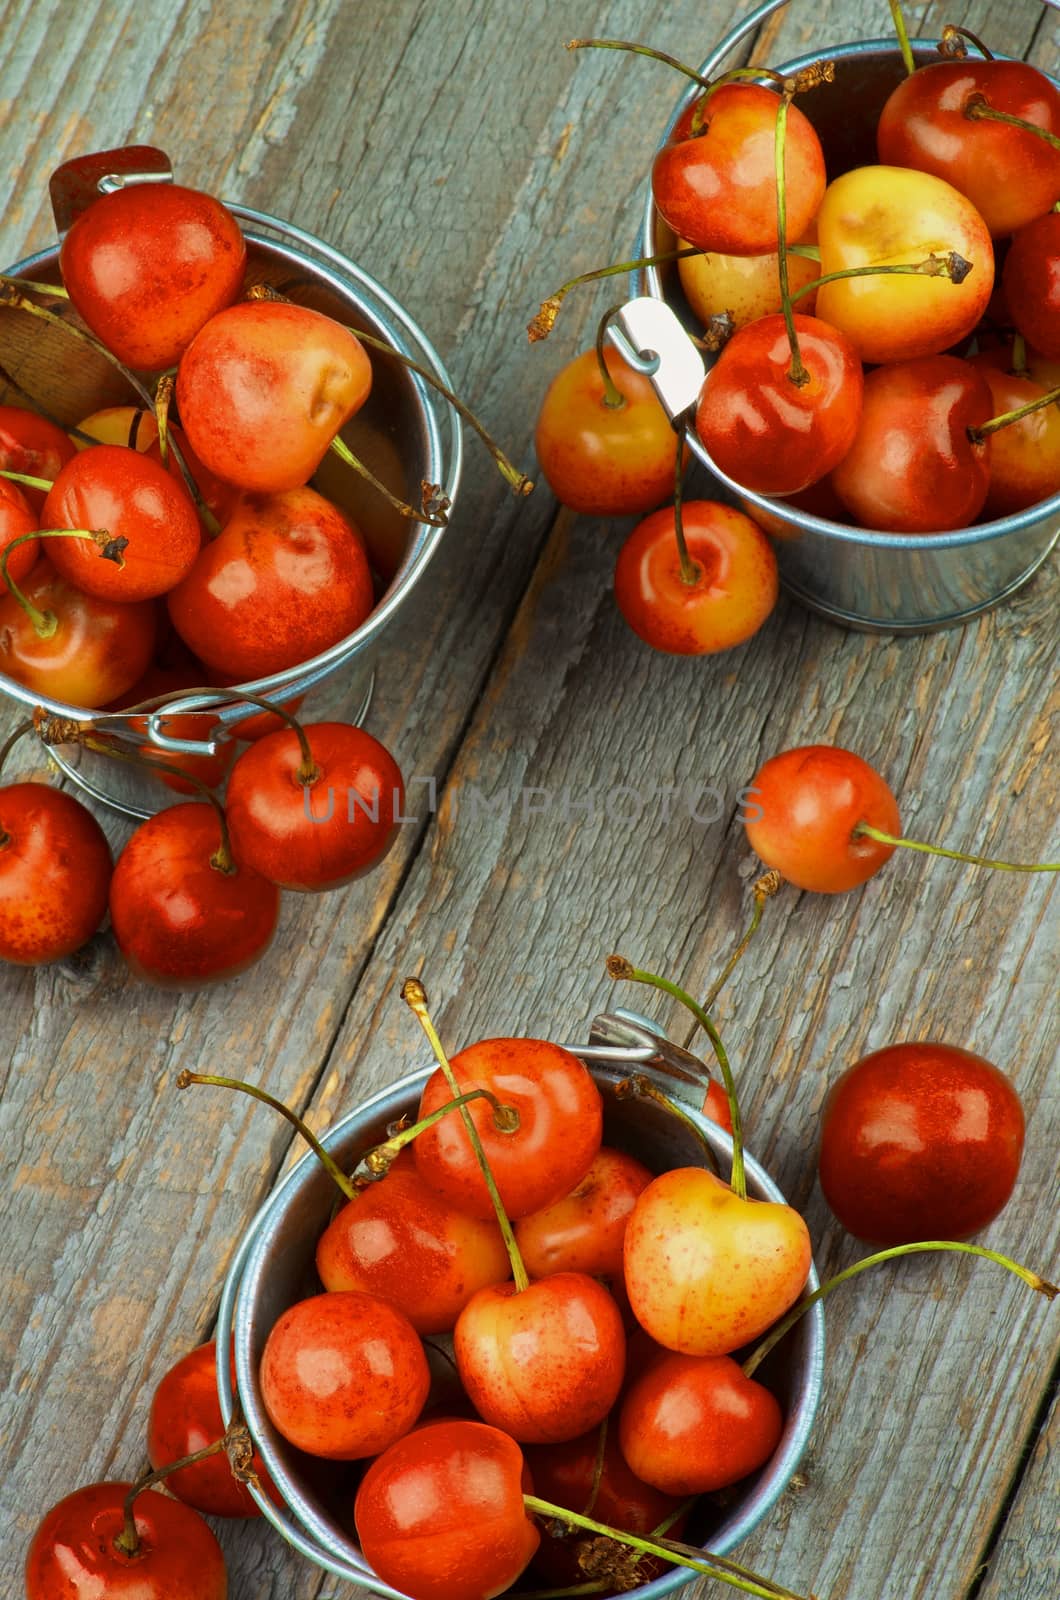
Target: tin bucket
[405,433]
[879,582]
[274,1267]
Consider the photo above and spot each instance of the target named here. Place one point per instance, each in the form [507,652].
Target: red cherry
[1031,281]
[73,1555]
[802,810]
[287,578]
[17,517]
[185,1417]
[694,1424]
[343,1375]
[33,445]
[440,1515]
[732,592]
[55,869]
[265,387]
[147,265]
[583,1232]
[718,189]
[560,1126]
[319,832]
[97,652]
[219,497]
[920,1141]
[179,919]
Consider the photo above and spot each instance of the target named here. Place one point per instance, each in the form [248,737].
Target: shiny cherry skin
[179,920]
[1031,281]
[286,578]
[55,870]
[138,430]
[733,592]
[399,1240]
[263,390]
[915,465]
[1010,175]
[73,1554]
[32,445]
[185,1417]
[767,432]
[745,287]
[583,1232]
[316,835]
[112,488]
[440,1515]
[559,1132]
[17,518]
[920,1141]
[694,1424]
[718,189]
[146,266]
[343,1375]
[803,807]
[602,460]
[1025,455]
[544,1363]
[96,653]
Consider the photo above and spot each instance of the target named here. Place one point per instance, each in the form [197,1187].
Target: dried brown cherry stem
[903,36]
[951,266]
[380,1159]
[435,505]
[763,889]
[545,321]
[1032,1279]
[977,108]
[46,622]
[985,429]
[614,399]
[869,832]
[128,1540]
[951,43]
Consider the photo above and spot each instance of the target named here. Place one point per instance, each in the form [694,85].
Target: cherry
[287,578]
[148,264]
[809,801]
[1025,454]
[75,647]
[316,806]
[920,1141]
[55,870]
[17,517]
[1031,281]
[745,286]
[692,1424]
[715,597]
[265,387]
[182,914]
[343,1375]
[76,1553]
[583,1232]
[32,445]
[185,1417]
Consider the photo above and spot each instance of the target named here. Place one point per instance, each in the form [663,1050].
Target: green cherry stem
[46,622]
[435,505]
[977,108]
[691,571]
[796,372]
[1032,1279]
[869,832]
[415,997]
[951,265]
[380,1159]
[1019,366]
[53,289]
[640,50]
[618,967]
[614,399]
[985,429]
[762,889]
[545,321]
[646,1090]
[951,43]
[24,477]
[903,36]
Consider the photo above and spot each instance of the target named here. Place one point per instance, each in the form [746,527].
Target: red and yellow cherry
[418,1503]
[745,286]
[286,578]
[601,458]
[263,390]
[730,588]
[343,1375]
[1031,281]
[399,1240]
[717,188]
[147,265]
[583,1232]
[55,869]
[95,651]
[804,806]
[885,216]
[75,1555]
[1008,173]
[182,914]
[706,1271]
[766,426]
[185,1417]
[138,430]
[1024,455]
[34,446]
[546,1362]
[917,464]
[920,1141]
[318,825]
[17,517]
[131,497]
[559,1132]
[692,1424]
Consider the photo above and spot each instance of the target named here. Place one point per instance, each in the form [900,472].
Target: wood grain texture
[460,155]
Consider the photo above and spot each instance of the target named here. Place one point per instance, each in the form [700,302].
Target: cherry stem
[640,50]
[951,44]
[985,429]
[380,1159]
[36,288]
[749,1582]
[978,109]
[163,401]
[46,622]
[951,265]
[545,321]
[415,997]
[1019,367]
[128,1541]
[866,830]
[435,505]
[614,399]
[796,372]
[24,477]
[763,889]
[646,1090]
[1033,1280]
[903,36]
[808,252]
[691,571]
[308,772]
[619,967]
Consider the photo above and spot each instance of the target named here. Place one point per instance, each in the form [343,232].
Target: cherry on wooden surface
[55,871]
[803,808]
[185,1417]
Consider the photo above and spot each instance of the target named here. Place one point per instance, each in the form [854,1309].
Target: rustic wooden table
[465,159]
